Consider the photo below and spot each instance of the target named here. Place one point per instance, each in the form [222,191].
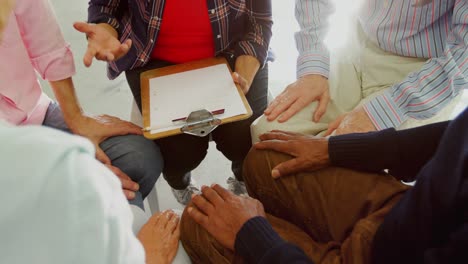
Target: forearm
[64,91]
[247,67]
[403,152]
[257,242]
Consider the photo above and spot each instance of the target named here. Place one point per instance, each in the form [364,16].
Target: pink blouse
[32,42]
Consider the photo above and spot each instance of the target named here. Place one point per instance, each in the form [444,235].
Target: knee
[260,126]
[257,168]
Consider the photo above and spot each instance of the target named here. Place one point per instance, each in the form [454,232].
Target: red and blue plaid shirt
[240,27]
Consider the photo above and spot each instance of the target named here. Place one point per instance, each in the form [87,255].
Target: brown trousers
[331,214]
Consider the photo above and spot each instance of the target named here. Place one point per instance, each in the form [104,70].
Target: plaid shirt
[240,27]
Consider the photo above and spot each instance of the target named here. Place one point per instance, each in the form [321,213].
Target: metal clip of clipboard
[200,123]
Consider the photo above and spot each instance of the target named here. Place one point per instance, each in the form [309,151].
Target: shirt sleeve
[256,41]
[424,93]
[49,53]
[106,11]
[257,242]
[312,16]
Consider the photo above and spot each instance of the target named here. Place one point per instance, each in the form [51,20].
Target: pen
[215,112]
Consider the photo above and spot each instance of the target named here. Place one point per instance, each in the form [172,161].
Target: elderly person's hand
[298,95]
[356,121]
[222,213]
[309,152]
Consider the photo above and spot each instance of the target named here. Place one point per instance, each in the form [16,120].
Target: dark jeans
[138,157]
[183,153]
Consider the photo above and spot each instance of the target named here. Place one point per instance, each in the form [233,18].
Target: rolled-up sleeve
[257,39]
[49,53]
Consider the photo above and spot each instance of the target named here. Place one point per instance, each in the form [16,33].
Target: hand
[356,121]
[310,152]
[241,81]
[98,129]
[222,213]
[160,237]
[129,187]
[298,95]
[103,43]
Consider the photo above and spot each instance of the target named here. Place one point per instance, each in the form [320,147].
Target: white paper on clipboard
[177,95]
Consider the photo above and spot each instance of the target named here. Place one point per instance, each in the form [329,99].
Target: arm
[313,64]
[424,93]
[266,246]
[403,152]
[256,40]
[106,12]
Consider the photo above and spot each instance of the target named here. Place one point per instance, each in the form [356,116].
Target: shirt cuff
[313,63]
[56,65]
[255,239]
[384,112]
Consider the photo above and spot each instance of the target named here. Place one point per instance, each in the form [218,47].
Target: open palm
[103,43]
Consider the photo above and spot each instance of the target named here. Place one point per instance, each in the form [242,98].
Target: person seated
[313,207]
[401,64]
[32,42]
[90,223]
[134,38]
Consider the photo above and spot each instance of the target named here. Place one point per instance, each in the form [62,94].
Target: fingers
[129,194]
[83,27]
[321,107]
[198,216]
[101,156]
[286,168]
[127,182]
[334,125]
[276,145]
[123,49]
[225,194]
[241,81]
[277,135]
[297,106]
[166,221]
[89,55]
[278,106]
[211,195]
[203,204]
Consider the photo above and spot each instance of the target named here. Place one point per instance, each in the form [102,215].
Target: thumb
[321,108]
[101,156]
[83,27]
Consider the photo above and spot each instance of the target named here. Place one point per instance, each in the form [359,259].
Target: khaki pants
[357,74]
[332,214]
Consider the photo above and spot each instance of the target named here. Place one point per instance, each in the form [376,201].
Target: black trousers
[183,153]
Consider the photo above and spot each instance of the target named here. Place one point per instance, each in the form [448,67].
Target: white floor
[99,95]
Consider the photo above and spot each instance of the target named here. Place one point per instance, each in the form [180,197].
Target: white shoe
[185,196]
[237,187]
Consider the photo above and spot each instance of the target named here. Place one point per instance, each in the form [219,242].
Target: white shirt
[58,204]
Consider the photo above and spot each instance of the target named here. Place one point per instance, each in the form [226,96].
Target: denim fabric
[138,157]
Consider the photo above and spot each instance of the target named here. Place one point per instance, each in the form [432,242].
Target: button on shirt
[433,29]
[32,42]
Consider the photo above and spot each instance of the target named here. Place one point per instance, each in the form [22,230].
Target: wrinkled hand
[310,152]
[356,121]
[298,95]
[222,213]
[241,81]
[103,43]
[160,237]
[100,128]
[129,187]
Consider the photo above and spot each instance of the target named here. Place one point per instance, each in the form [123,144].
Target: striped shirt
[435,30]
[240,27]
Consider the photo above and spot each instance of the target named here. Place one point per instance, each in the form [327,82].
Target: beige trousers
[358,73]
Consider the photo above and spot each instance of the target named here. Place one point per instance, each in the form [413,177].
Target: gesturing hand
[222,213]
[103,43]
[298,95]
[310,153]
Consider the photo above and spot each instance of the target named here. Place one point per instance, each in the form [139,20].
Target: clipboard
[197,118]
